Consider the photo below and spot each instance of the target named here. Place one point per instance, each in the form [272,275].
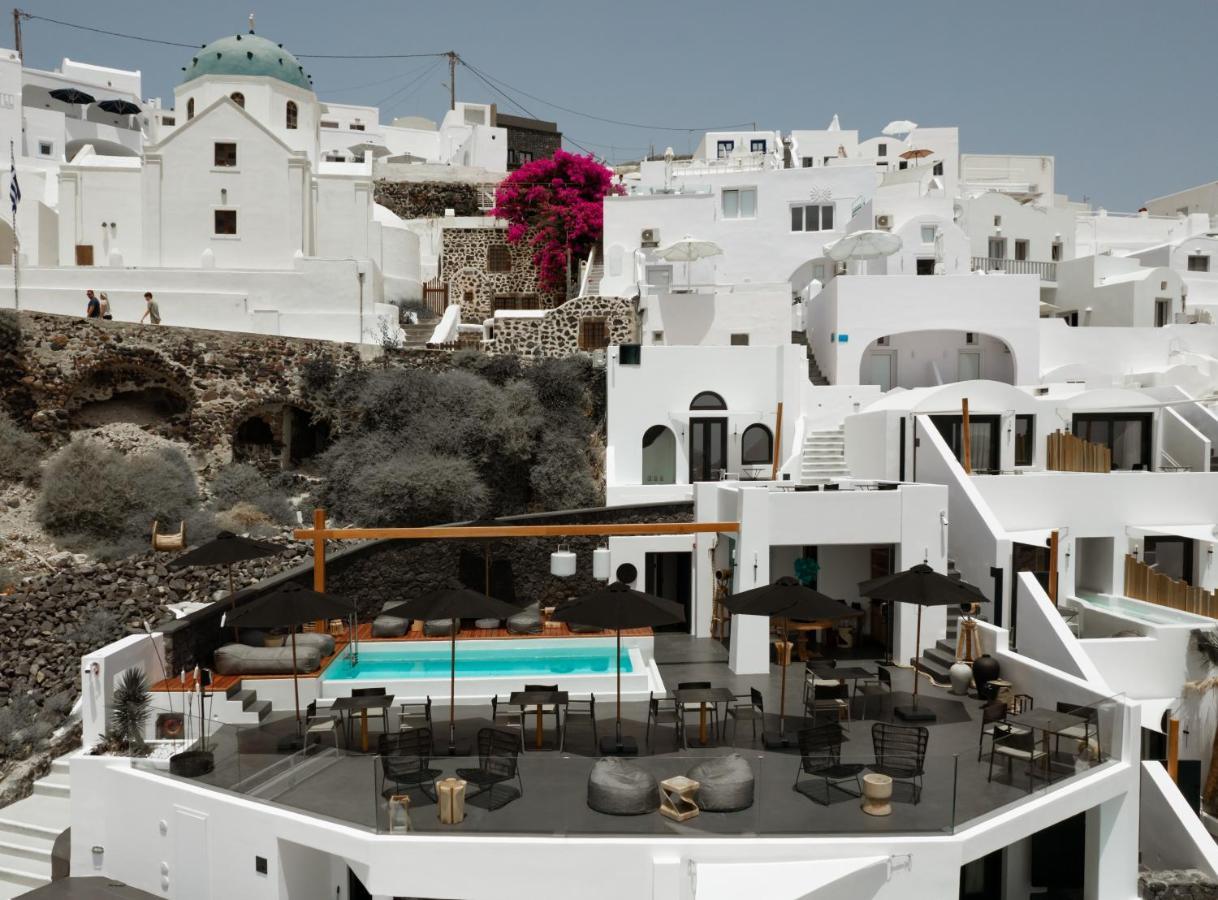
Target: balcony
[1046,270]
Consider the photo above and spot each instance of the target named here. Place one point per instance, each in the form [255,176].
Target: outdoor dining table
[361,704]
[853,674]
[1047,722]
[702,696]
[539,700]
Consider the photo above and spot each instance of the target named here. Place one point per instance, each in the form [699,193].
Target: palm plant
[130,713]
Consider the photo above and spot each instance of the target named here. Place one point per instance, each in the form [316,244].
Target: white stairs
[593,286]
[824,456]
[28,829]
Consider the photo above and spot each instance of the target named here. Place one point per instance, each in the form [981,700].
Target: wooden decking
[224,683]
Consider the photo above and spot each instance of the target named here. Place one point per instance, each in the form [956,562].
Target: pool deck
[553,630]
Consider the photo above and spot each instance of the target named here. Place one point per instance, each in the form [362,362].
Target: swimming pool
[417,669]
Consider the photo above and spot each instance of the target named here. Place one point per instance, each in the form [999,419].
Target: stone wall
[199,386]
[427,199]
[463,257]
[1180,884]
[557,333]
[537,144]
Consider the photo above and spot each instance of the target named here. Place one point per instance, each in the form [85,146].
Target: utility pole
[453,59]
[18,15]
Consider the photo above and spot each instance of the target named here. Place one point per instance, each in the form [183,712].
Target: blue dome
[247,54]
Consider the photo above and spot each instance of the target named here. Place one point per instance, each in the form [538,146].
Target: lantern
[562,562]
[600,563]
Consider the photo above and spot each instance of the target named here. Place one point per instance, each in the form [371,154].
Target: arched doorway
[707,438]
[912,359]
[659,455]
[279,436]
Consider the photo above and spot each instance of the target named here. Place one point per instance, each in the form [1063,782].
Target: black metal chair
[664,711]
[750,707]
[319,725]
[580,709]
[878,688]
[1021,745]
[405,760]
[817,669]
[510,718]
[1085,733]
[832,698]
[993,718]
[900,753]
[414,714]
[498,763]
[820,756]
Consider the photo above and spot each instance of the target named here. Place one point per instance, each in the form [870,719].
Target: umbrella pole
[619,687]
[917,644]
[452,694]
[782,691]
[295,680]
[232,600]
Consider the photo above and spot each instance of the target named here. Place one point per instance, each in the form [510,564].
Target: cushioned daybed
[238,659]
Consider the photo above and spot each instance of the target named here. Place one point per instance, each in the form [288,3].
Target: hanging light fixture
[562,562]
[600,563]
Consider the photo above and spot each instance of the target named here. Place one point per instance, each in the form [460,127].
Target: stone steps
[29,829]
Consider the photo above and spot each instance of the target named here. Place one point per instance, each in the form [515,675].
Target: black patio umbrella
[119,107]
[455,604]
[922,586]
[72,95]
[226,549]
[289,606]
[787,599]
[619,606]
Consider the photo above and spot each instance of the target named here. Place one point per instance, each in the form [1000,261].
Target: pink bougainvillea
[555,206]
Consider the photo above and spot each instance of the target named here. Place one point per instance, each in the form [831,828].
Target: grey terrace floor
[347,786]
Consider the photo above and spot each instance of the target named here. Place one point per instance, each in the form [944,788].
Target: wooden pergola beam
[470,532]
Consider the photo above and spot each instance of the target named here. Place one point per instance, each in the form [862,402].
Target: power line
[576,112]
[150,40]
[379,81]
[397,95]
[516,102]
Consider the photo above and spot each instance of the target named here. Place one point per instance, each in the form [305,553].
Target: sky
[1121,93]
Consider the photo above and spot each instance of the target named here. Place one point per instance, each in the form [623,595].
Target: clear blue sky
[1121,93]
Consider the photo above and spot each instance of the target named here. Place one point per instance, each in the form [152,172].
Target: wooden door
[84,254]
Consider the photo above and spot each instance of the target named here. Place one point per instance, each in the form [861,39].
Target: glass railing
[738,791]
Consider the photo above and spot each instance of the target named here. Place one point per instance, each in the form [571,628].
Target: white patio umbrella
[862,245]
[687,250]
[368,148]
[899,127]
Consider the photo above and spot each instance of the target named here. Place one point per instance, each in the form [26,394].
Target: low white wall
[1171,835]
[100,672]
[1043,635]
[1183,443]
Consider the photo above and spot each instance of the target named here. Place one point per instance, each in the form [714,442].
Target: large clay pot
[985,670]
[961,674]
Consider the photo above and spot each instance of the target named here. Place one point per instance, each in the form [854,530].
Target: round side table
[877,794]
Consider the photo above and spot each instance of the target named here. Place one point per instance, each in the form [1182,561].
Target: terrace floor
[347,786]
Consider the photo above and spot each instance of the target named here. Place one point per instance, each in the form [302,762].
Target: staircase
[823,456]
[593,286]
[814,373]
[936,661]
[417,336]
[28,830]
[239,706]
[253,710]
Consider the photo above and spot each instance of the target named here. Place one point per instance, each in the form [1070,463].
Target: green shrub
[99,501]
[99,626]
[20,452]
[239,483]
[561,476]
[406,488]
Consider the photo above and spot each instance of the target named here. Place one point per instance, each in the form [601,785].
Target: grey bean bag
[323,643]
[438,627]
[238,659]
[390,626]
[486,623]
[619,788]
[725,783]
[527,621]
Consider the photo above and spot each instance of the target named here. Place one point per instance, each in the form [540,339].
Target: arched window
[190,109]
[756,446]
[659,456]
[708,400]
[238,98]
[291,115]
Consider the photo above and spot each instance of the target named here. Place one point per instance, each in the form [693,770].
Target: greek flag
[14,189]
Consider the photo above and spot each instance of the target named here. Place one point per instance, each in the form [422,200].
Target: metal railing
[1046,270]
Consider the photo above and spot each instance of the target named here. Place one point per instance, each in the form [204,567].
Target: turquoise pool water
[483,660]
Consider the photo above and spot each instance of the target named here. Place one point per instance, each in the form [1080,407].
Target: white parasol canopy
[900,126]
[687,250]
[368,148]
[863,245]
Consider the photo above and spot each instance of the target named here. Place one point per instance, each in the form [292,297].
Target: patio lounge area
[547,791]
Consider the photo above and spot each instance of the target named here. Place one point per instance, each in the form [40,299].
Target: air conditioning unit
[650,237]
[883,223]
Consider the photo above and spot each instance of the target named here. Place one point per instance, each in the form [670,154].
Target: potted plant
[125,731]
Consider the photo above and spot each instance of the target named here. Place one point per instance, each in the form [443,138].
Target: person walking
[93,307]
[152,312]
[104,304]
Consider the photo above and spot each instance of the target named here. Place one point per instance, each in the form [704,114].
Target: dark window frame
[751,459]
[1111,419]
[217,216]
[222,158]
[716,401]
[498,258]
[593,333]
[291,115]
[953,436]
[1025,443]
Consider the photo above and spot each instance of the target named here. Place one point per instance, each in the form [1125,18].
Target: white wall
[712,316]
[1041,226]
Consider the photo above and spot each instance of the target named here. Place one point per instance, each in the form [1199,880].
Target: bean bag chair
[238,659]
[438,627]
[389,626]
[527,621]
[619,788]
[725,783]
[486,623]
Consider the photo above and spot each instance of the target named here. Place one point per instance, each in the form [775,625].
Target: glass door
[707,449]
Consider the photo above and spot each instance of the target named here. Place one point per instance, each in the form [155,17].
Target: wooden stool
[1000,688]
[677,798]
[450,800]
